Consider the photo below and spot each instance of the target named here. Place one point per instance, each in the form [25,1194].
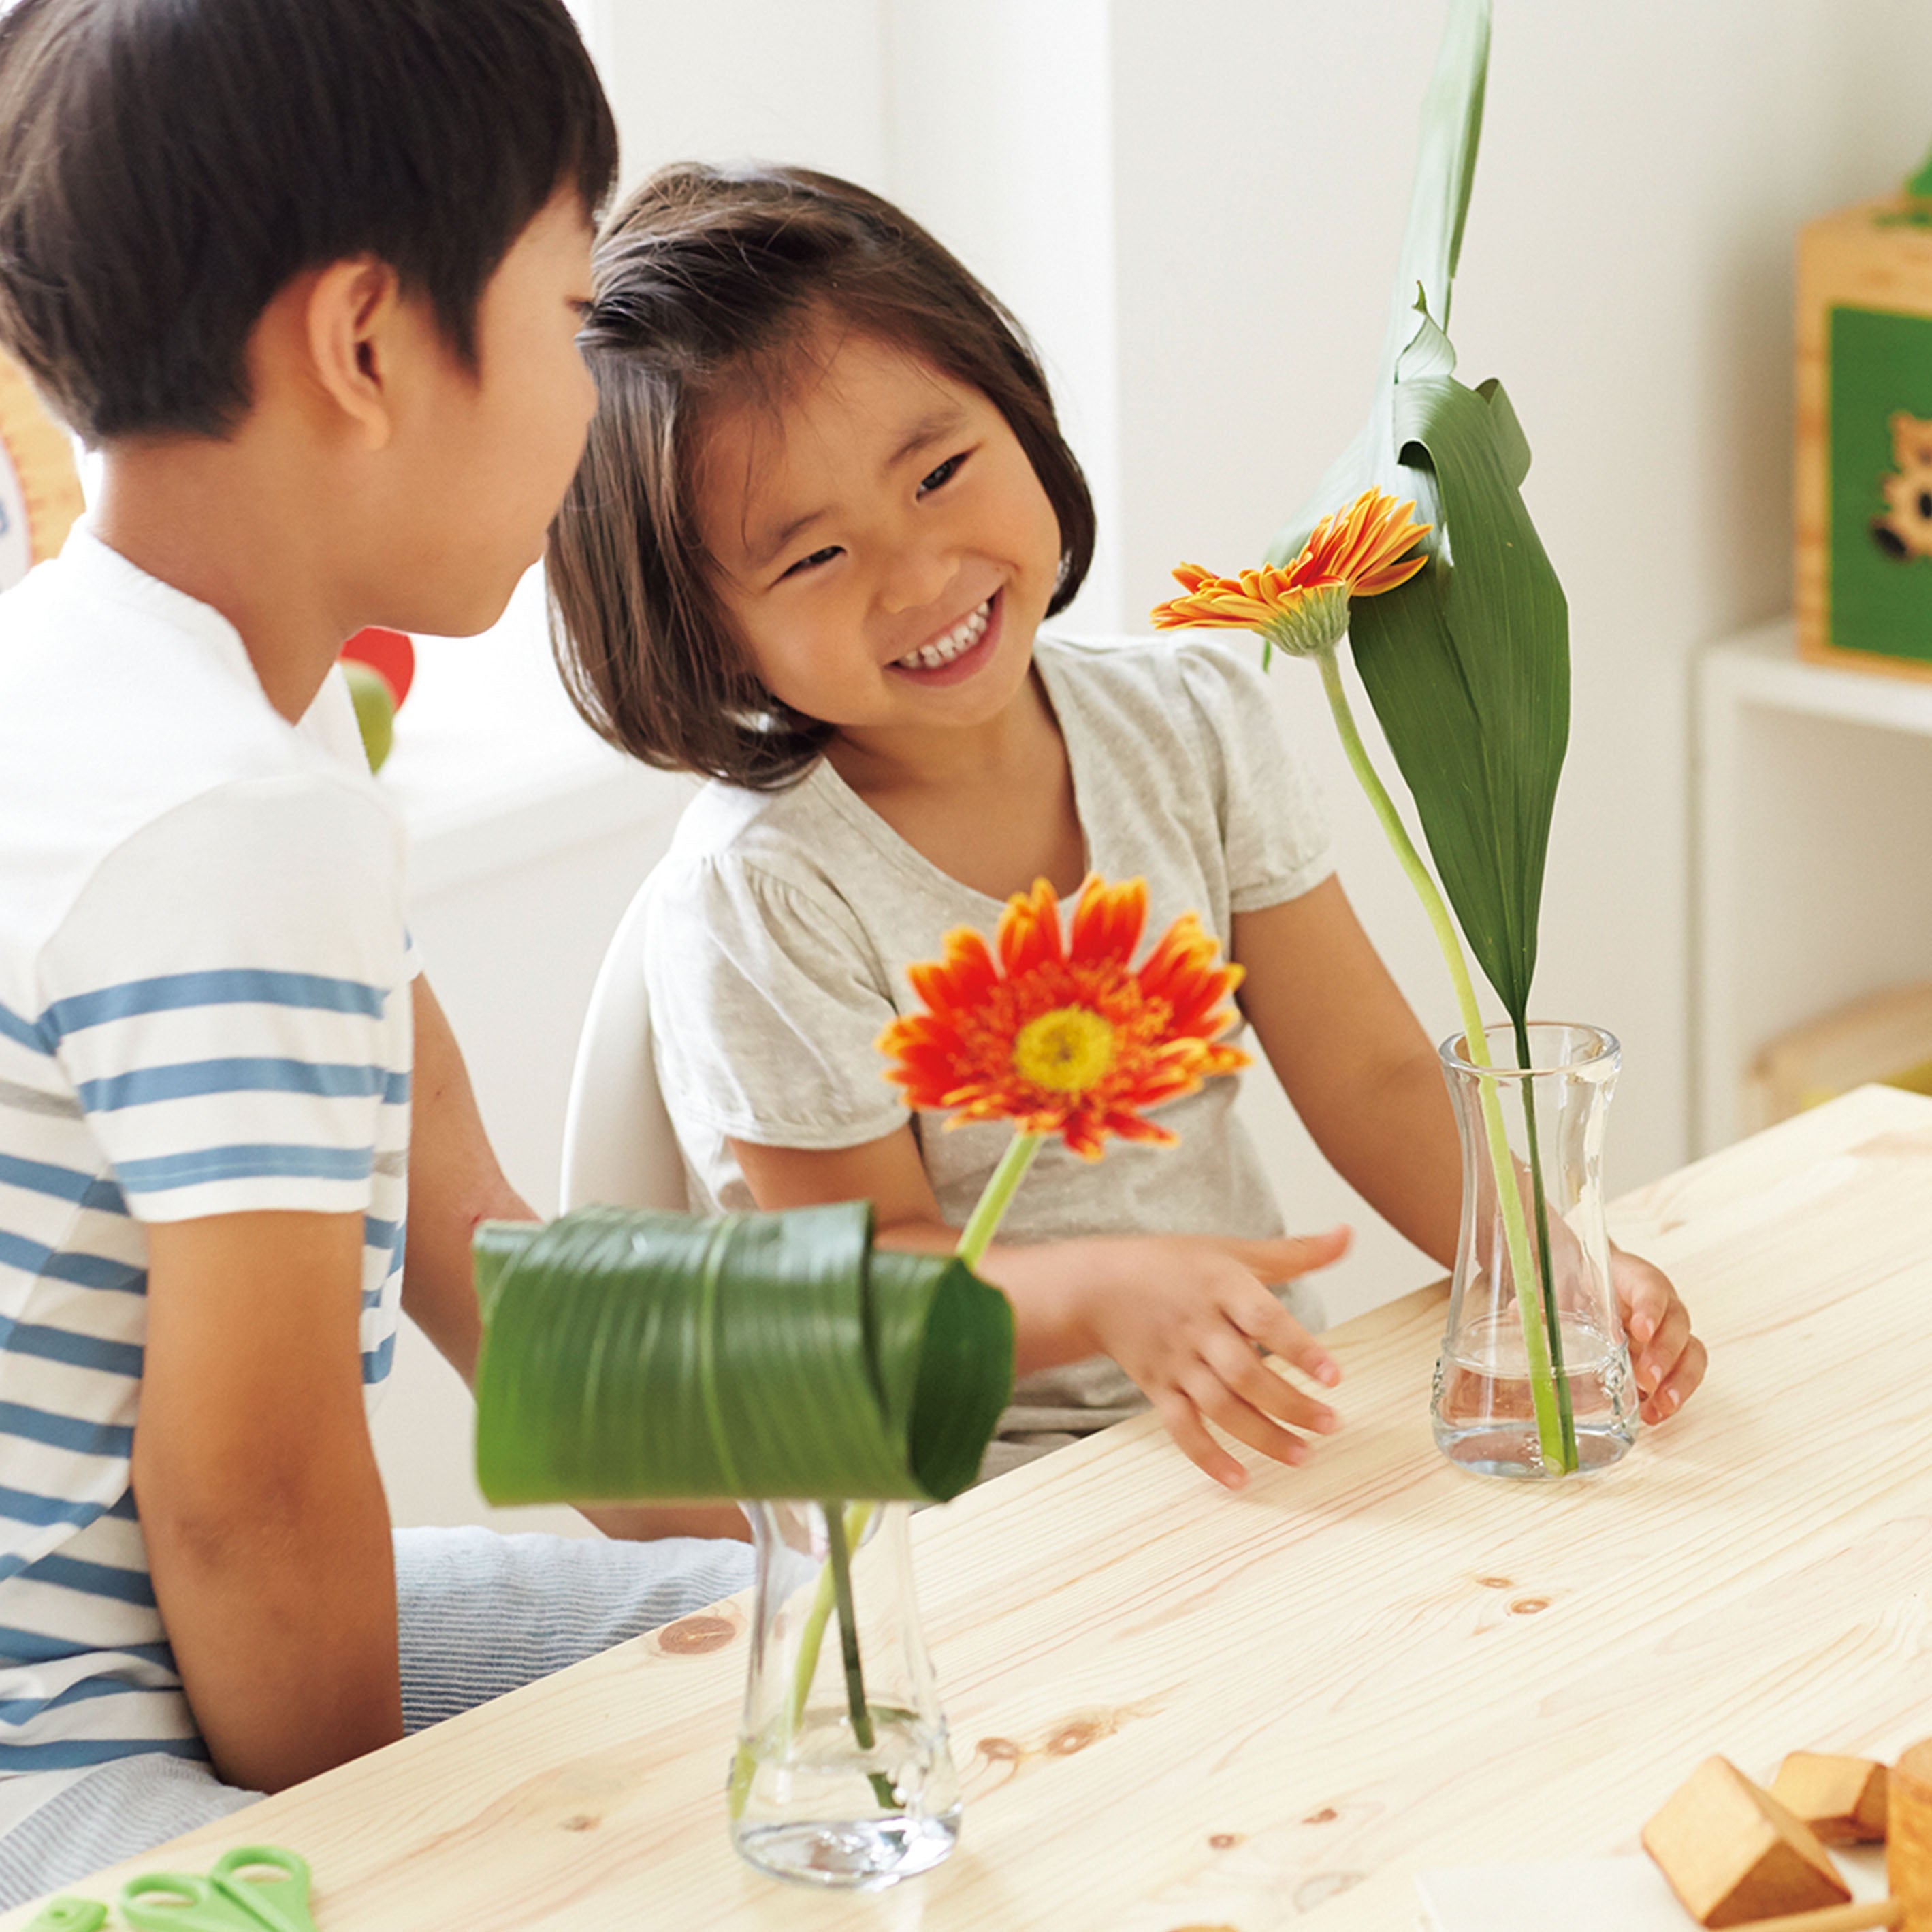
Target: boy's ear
[352,316]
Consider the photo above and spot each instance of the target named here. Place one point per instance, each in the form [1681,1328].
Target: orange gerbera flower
[1303,610]
[1066,1038]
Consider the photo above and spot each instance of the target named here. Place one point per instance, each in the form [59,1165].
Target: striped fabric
[204,1010]
[478,1616]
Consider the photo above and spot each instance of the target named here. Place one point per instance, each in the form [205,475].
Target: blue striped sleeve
[229,986]
[253,1163]
[145,1086]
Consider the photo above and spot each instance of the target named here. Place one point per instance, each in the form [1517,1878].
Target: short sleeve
[1273,830]
[228,999]
[766,1007]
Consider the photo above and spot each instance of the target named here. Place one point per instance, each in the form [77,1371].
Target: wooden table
[1176,1708]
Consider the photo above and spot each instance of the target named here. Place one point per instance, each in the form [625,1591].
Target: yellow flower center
[1068,1050]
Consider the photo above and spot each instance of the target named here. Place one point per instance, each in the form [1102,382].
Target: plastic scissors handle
[70,1915]
[183,1902]
[271,1881]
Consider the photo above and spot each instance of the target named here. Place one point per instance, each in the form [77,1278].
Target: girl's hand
[1186,1317]
[1668,1360]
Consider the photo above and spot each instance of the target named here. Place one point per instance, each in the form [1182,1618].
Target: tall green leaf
[1468,667]
[1467,664]
[630,1356]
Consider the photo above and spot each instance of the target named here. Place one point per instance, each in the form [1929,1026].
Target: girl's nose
[919,576]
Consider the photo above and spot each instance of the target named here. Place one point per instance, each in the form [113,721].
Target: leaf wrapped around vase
[633,1356]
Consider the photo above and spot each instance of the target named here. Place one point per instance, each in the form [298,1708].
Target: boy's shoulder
[122,700]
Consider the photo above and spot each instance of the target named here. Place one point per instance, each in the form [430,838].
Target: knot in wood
[1495,1583]
[1001,1751]
[1224,1841]
[1074,1737]
[692,1636]
[1326,1815]
[1528,1606]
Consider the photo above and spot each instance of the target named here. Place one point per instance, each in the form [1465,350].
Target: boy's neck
[235,526]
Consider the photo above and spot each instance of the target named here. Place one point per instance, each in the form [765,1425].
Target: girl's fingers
[1263,1319]
[1212,1399]
[1664,1401]
[1231,1357]
[1183,1423]
[1276,1261]
[1665,1348]
[1646,1294]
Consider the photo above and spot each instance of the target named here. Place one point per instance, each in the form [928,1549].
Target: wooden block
[1908,1849]
[1886,1037]
[1863,470]
[1843,1799]
[1733,1853]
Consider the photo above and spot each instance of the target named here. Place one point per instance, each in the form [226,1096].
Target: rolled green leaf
[631,1356]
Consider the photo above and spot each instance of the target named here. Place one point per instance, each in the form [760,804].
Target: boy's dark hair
[166,166]
[704,281]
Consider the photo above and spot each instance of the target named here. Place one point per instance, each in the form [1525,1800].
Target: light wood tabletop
[1173,1708]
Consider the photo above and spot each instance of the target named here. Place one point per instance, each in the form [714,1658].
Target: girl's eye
[942,476]
[811,562]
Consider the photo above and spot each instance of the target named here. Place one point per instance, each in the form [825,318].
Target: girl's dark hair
[166,166]
[703,277]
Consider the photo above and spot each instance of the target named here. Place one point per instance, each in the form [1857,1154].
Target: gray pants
[479,1615]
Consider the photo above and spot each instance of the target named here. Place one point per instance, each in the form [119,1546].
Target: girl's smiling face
[883,544]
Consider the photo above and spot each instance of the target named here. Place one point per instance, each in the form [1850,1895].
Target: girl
[824,507]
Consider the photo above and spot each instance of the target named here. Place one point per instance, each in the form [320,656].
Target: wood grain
[1173,1708]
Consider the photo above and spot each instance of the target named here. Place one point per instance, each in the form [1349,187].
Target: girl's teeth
[962,637]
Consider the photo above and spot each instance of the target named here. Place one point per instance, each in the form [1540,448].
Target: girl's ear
[359,334]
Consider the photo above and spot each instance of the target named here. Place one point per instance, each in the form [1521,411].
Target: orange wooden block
[1908,1850]
[1841,1799]
[1733,1853]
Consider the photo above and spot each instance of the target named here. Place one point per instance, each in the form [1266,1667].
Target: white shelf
[1812,866]
[1762,668]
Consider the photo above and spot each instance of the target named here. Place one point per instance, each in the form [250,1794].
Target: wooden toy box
[1864,437]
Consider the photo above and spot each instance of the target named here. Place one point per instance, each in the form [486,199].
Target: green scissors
[253,1888]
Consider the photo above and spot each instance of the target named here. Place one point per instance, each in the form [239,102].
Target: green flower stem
[838,1567]
[997,1197]
[851,1530]
[834,1581]
[1556,1444]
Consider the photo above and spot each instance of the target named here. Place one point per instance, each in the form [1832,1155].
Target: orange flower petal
[1364,549]
[961,1055]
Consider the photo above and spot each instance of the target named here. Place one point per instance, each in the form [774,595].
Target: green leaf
[1468,667]
[630,1356]
[1467,664]
[1445,171]
[1919,184]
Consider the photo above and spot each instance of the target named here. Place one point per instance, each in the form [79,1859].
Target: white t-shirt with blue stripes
[204,1008]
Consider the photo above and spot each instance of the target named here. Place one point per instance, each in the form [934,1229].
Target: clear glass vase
[1516,1395]
[843,1775]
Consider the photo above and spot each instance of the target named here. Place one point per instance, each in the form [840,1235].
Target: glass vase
[843,1775]
[1517,1394]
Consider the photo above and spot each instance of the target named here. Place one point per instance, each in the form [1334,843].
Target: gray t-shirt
[781,924]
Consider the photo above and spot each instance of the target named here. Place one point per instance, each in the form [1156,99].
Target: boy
[309,273]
